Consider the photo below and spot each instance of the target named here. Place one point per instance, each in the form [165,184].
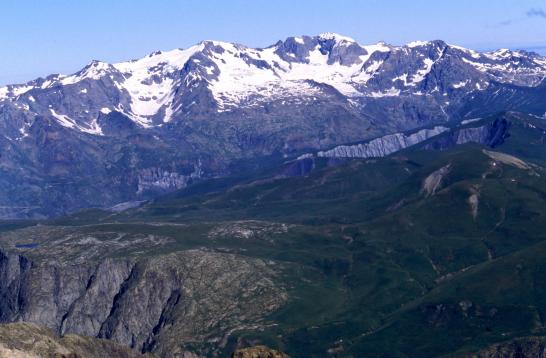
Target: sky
[40,37]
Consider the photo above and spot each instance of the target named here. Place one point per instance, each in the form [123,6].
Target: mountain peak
[235,76]
[417,44]
[334,36]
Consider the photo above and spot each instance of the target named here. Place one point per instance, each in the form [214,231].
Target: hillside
[323,256]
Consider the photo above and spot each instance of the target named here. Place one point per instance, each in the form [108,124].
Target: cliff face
[382,146]
[166,304]
[491,134]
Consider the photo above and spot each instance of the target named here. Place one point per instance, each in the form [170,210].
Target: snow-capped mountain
[157,88]
[171,117]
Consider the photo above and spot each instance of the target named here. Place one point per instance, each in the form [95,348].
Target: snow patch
[299,40]
[393,92]
[421,74]
[460,84]
[63,119]
[417,44]
[68,122]
[149,81]
[466,121]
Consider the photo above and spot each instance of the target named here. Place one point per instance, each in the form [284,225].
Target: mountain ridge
[145,88]
[113,133]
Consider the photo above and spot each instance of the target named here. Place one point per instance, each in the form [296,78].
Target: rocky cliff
[383,146]
[488,133]
[167,304]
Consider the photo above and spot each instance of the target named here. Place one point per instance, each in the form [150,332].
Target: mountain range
[116,134]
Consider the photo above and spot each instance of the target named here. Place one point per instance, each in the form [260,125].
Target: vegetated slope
[352,258]
[480,206]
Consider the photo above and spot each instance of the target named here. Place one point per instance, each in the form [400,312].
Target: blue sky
[39,37]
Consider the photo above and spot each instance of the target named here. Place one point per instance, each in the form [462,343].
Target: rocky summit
[124,132]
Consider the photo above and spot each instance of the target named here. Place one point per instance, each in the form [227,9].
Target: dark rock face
[491,134]
[528,347]
[299,167]
[113,133]
[167,304]
[12,270]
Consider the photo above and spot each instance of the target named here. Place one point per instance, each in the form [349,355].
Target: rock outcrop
[433,182]
[258,352]
[26,340]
